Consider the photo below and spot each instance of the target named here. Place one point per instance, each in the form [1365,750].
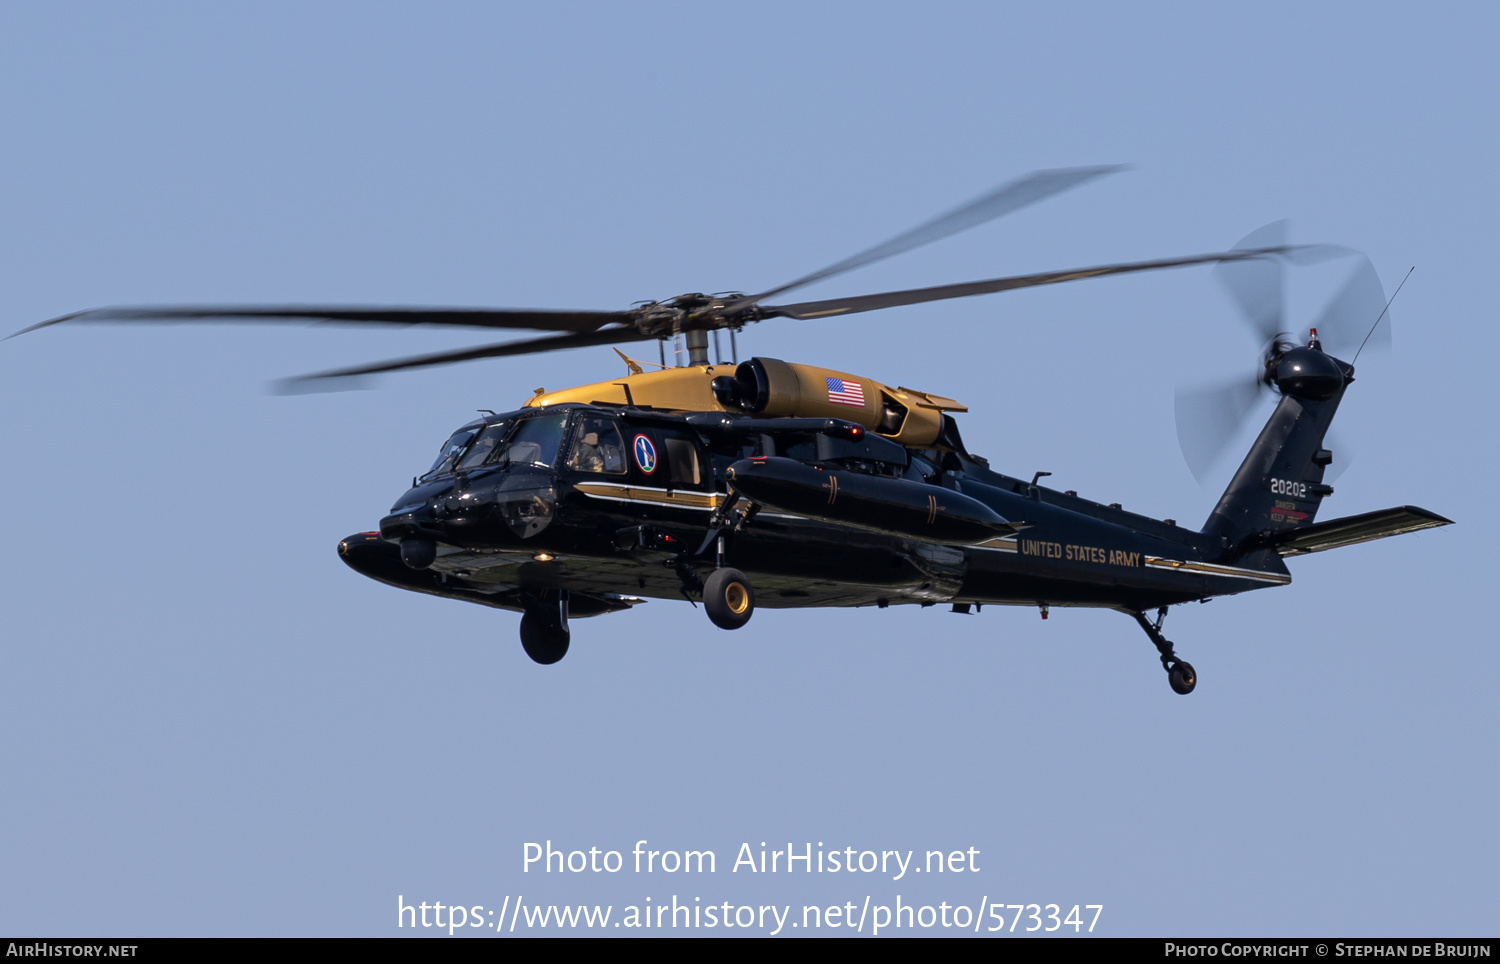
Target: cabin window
[682,459]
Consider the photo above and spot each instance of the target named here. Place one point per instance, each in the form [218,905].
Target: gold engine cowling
[773,388]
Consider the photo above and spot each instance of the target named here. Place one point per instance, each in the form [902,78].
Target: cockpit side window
[598,447]
[537,440]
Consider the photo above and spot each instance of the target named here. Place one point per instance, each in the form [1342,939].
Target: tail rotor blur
[1211,416]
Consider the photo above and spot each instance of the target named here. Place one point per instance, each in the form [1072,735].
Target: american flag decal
[841,392]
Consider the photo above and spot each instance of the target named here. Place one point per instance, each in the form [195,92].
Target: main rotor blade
[914,296]
[1351,313]
[528,346]
[1258,286]
[1209,418]
[353,315]
[1003,200]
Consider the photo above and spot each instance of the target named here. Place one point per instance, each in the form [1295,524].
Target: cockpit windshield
[508,441]
[450,450]
[486,445]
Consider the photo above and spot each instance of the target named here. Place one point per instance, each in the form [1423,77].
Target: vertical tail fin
[1280,483]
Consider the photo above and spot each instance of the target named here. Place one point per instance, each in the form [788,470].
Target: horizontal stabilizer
[1349,530]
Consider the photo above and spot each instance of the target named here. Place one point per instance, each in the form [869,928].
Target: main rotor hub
[693,311]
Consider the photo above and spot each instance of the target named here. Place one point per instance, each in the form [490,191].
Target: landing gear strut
[544,626]
[1180,674]
[727,596]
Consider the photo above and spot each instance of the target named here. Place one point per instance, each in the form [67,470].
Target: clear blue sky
[211,726]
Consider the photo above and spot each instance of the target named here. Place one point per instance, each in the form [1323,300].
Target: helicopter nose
[408,521]
[413,525]
[367,553]
[498,513]
[499,510]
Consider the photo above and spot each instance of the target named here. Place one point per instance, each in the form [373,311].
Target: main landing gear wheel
[728,598]
[1180,673]
[1182,678]
[544,630]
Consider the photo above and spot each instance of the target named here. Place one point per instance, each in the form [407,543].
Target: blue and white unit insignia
[645,454]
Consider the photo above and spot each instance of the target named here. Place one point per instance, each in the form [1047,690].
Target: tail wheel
[1182,678]
[728,598]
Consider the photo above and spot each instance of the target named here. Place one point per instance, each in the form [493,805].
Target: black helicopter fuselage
[789,485]
[568,510]
[669,504]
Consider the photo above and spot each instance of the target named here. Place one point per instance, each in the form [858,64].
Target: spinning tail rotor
[1210,417]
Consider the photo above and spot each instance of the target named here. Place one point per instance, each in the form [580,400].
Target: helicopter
[738,484]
